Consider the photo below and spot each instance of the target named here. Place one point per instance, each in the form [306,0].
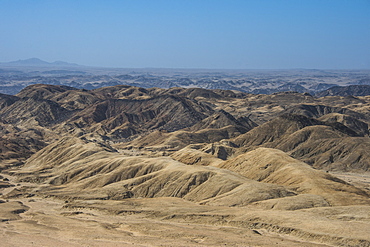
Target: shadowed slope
[222,119]
[340,154]
[193,93]
[168,112]
[316,111]
[31,111]
[220,125]
[19,147]
[360,127]
[324,145]
[355,90]
[326,148]
[273,130]
[7,100]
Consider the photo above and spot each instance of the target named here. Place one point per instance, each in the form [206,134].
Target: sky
[209,34]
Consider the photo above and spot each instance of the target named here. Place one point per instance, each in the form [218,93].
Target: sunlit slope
[274,166]
[74,168]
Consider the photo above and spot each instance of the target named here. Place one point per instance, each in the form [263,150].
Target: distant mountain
[30,61]
[38,62]
[353,90]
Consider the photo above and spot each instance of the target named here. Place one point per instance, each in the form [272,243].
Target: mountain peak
[38,62]
[30,61]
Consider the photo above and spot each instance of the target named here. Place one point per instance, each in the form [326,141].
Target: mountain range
[36,62]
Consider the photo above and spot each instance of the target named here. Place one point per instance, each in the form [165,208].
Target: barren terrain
[129,166]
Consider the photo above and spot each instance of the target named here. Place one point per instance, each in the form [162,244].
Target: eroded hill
[222,153]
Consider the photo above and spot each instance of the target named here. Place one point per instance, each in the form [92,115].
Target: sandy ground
[47,223]
[361,180]
[174,222]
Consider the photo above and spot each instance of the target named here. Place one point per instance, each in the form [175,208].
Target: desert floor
[37,221]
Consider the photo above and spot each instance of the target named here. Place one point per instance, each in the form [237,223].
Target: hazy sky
[230,34]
